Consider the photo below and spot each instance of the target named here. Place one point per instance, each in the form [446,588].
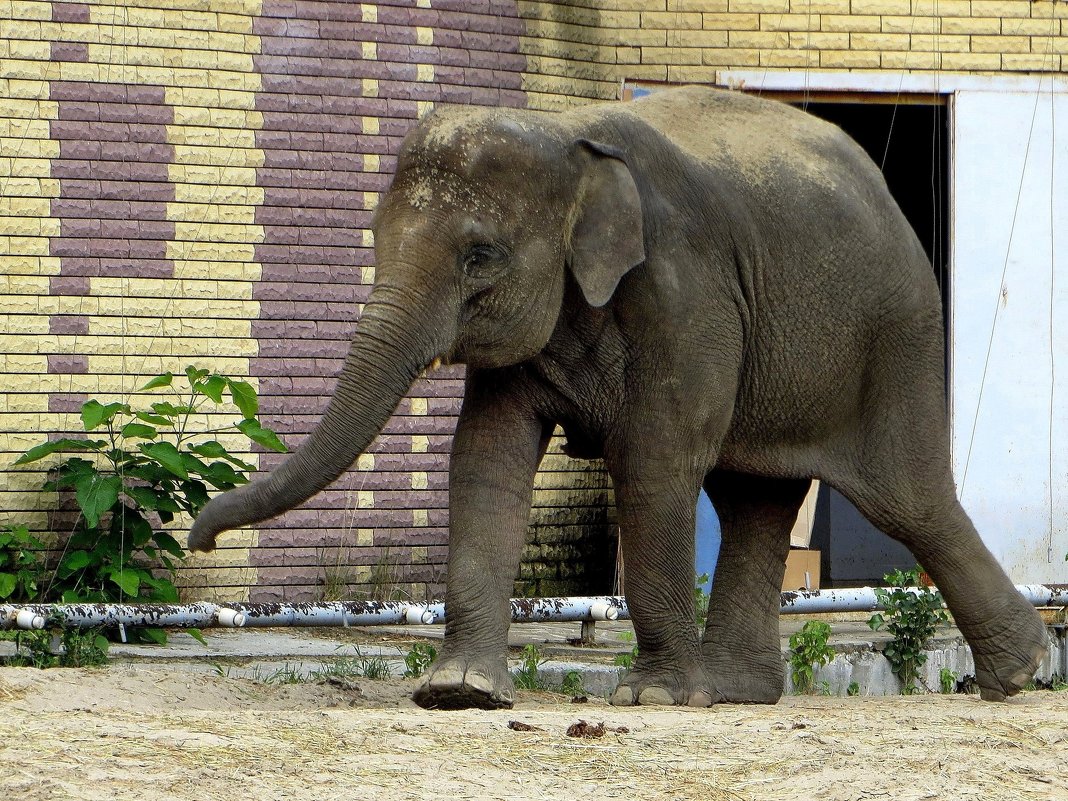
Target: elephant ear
[606,234]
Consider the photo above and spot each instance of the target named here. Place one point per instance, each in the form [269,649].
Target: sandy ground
[148,734]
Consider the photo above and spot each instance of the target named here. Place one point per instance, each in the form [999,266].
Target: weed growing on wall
[913,614]
[419,659]
[809,650]
[136,469]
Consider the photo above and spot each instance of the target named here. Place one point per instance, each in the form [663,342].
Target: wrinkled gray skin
[702,287]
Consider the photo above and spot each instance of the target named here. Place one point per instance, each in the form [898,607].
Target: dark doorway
[910,142]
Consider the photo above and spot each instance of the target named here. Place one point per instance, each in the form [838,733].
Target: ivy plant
[133,472]
[913,614]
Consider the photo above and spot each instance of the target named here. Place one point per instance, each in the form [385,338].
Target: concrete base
[260,653]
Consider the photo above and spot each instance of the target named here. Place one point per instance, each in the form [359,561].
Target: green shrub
[21,564]
[912,617]
[145,466]
[809,650]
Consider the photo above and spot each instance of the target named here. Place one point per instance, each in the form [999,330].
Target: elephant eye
[483,260]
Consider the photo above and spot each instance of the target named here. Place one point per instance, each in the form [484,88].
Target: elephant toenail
[656,696]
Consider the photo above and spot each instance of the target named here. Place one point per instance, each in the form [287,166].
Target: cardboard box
[802,570]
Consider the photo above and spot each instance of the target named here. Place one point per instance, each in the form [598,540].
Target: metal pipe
[376,613]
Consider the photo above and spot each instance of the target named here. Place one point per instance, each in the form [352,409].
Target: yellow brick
[29,30]
[32,70]
[915,60]
[28,227]
[819,41]
[696,5]
[730,57]
[420,517]
[24,206]
[673,21]
[220,270]
[789,22]
[881,7]
[963,62]
[211,175]
[29,265]
[819,6]
[14,324]
[849,59]
[1001,8]
[369,50]
[368,12]
[731,22]
[420,444]
[759,6]
[839,22]
[789,58]
[367,274]
[911,24]
[970,25]
[942,8]
[24,90]
[1031,27]
[22,9]
[420,481]
[879,41]
[1031,62]
[23,245]
[1001,44]
[671,55]
[941,44]
[365,536]
[762,40]
[228,252]
[25,149]
[693,39]
[425,73]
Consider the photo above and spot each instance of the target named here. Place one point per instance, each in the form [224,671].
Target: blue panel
[708,539]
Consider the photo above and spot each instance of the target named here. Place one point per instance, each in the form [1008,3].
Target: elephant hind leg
[1006,634]
[741,651]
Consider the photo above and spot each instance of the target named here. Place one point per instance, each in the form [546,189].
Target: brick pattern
[190,181]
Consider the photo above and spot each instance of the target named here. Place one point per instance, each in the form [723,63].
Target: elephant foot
[1003,675]
[743,675]
[662,688]
[467,684]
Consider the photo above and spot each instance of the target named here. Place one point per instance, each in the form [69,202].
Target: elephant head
[490,216]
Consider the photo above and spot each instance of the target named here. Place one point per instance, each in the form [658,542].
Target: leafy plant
[626,660]
[419,659]
[809,650]
[572,684]
[947,681]
[148,465]
[21,563]
[913,614]
[78,647]
[853,689]
[526,677]
[700,599]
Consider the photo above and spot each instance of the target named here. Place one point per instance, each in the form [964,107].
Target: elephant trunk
[389,352]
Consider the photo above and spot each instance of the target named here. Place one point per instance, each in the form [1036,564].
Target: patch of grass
[527,676]
[58,646]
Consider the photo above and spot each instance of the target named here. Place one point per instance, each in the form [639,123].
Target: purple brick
[66,364]
[70,12]
[69,51]
[68,285]
[66,402]
[68,324]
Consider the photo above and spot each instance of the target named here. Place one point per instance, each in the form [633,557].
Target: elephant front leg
[656,512]
[496,451]
[741,649]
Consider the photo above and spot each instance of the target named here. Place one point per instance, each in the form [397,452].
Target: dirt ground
[149,734]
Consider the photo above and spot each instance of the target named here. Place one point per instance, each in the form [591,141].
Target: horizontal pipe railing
[375,613]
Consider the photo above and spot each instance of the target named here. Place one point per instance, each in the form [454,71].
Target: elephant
[703,288]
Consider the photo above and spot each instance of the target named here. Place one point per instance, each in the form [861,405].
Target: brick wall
[190,181]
